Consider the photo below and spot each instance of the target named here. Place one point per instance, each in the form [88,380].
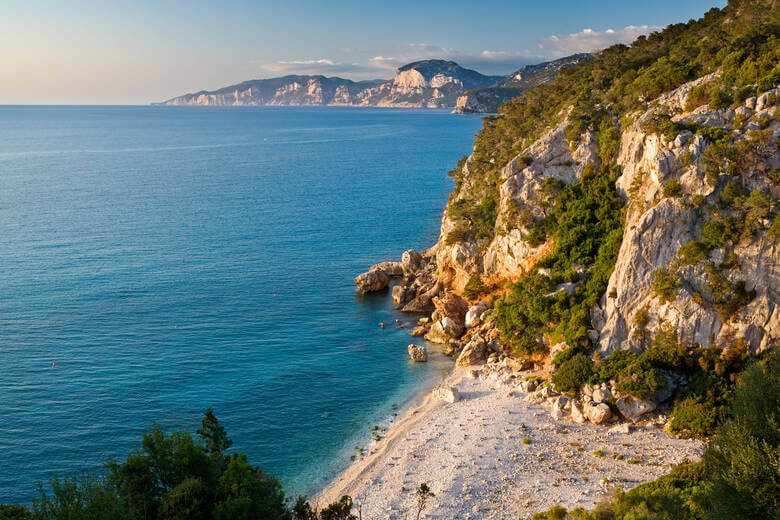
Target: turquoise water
[157,261]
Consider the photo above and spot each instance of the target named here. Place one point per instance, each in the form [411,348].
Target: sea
[158,261]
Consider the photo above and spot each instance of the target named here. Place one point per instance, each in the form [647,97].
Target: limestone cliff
[658,222]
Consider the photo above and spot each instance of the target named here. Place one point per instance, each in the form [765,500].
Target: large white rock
[577,413]
[474,353]
[446,393]
[474,314]
[596,413]
[600,395]
[633,409]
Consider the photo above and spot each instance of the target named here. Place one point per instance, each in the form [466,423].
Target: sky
[142,51]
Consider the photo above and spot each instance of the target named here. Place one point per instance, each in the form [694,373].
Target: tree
[213,435]
[341,510]
[743,461]
[423,494]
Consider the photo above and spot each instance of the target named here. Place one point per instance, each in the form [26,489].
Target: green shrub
[691,253]
[673,188]
[743,461]
[641,318]
[665,285]
[713,234]
[719,98]
[573,373]
[666,351]
[473,287]
[697,97]
[692,418]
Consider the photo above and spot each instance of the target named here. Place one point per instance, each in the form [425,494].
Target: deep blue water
[170,259]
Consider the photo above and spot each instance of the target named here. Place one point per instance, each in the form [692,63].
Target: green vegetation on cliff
[741,40]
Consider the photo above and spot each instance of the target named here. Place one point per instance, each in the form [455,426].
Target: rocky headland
[693,279]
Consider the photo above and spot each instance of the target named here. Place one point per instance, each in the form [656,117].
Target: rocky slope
[423,84]
[487,100]
[722,296]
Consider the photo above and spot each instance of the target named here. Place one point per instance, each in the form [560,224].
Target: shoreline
[473,455]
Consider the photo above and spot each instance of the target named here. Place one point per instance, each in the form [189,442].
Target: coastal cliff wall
[659,221]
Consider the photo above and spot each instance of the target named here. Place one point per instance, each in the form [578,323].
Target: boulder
[474,314]
[411,260]
[596,413]
[372,281]
[577,414]
[436,334]
[561,404]
[446,393]
[600,395]
[620,428]
[528,386]
[450,305]
[418,331]
[586,390]
[389,268]
[546,392]
[417,353]
[451,327]
[473,374]
[474,353]
[557,414]
[423,302]
[633,408]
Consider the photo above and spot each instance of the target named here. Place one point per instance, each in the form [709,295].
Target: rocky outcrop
[448,318]
[378,277]
[371,281]
[509,255]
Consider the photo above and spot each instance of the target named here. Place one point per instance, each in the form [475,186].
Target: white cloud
[588,40]
[382,62]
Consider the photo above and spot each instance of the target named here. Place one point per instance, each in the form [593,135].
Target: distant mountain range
[422,84]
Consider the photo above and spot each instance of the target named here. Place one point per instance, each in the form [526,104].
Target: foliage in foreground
[738,477]
[174,476]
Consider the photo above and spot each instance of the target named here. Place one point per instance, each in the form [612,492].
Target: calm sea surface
[156,261]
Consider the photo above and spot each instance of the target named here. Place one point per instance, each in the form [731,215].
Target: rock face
[656,229]
[656,226]
[417,353]
[487,100]
[422,84]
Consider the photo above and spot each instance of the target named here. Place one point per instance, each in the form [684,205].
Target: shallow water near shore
[158,260]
